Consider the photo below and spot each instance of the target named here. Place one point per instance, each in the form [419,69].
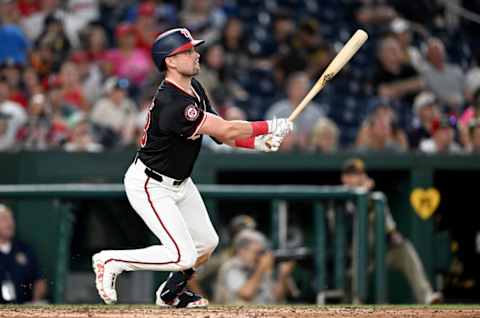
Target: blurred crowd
[77,74]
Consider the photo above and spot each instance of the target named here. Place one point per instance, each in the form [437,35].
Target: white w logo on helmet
[187,34]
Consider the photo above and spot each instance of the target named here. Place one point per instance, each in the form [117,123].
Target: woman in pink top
[127,61]
[468,117]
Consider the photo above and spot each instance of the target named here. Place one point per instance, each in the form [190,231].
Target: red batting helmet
[172,42]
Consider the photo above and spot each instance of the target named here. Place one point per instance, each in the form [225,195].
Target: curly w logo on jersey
[191,112]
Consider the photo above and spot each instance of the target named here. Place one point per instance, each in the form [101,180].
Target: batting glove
[280,127]
[268,143]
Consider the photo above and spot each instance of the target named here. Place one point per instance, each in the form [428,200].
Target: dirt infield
[93,311]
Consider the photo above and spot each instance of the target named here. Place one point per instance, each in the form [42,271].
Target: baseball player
[158,183]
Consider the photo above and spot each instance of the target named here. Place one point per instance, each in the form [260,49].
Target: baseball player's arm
[231,130]
[259,136]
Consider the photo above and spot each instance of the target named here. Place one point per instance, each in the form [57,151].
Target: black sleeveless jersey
[171,143]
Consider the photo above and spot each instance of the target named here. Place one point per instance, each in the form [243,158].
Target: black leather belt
[157,176]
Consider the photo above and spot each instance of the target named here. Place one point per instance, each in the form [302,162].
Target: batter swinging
[158,183]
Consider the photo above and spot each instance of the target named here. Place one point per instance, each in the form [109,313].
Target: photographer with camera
[248,276]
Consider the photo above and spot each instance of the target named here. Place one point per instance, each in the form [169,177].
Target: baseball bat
[338,62]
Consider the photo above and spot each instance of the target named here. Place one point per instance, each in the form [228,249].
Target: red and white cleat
[106,276]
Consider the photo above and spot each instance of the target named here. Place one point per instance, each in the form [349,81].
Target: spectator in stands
[72,88]
[81,138]
[373,12]
[213,69]
[442,140]
[28,7]
[14,42]
[37,133]
[469,116]
[426,109]
[44,129]
[283,31]
[89,77]
[401,30]
[234,42]
[247,276]
[31,82]
[20,277]
[95,43]
[164,12]
[34,24]
[12,71]
[394,78]
[472,78]
[55,38]
[114,114]
[146,26]
[298,85]
[475,136]
[379,132]
[401,255]
[309,51]
[204,18]
[79,13]
[42,60]
[13,117]
[62,110]
[127,61]
[325,136]
[446,80]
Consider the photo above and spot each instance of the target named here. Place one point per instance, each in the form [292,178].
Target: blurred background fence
[58,220]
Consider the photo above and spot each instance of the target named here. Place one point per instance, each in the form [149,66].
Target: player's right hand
[280,127]
[268,143]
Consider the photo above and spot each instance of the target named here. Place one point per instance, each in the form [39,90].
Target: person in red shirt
[72,87]
[28,7]
[13,74]
[146,26]
[96,43]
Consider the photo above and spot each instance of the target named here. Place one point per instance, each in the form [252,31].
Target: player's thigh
[196,216]
[160,213]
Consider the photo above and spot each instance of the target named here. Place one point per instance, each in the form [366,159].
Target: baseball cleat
[434,298]
[186,299]
[105,278]
[174,285]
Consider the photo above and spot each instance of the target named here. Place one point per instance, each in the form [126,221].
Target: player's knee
[188,259]
[212,243]
[208,245]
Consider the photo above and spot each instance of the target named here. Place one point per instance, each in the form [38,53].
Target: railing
[318,195]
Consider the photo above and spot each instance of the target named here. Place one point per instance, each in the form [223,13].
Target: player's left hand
[280,127]
[268,143]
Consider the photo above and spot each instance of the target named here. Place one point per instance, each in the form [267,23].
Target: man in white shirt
[115,114]
[445,80]
[298,85]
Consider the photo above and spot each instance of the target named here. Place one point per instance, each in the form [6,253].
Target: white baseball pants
[175,214]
